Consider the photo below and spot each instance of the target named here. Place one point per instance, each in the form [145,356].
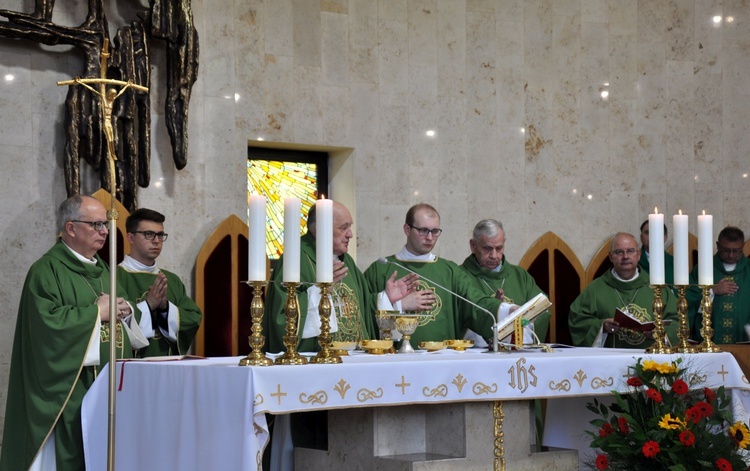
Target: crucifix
[107,96]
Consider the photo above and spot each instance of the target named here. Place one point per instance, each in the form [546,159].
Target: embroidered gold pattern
[598,383]
[481,388]
[696,378]
[438,303]
[727,321]
[278,394]
[342,387]
[365,394]
[319,397]
[563,385]
[460,382]
[580,377]
[521,377]
[440,391]
[346,306]
[403,384]
[632,337]
[258,400]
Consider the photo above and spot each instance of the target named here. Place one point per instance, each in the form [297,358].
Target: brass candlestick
[325,355]
[256,357]
[707,332]
[683,331]
[658,332]
[291,310]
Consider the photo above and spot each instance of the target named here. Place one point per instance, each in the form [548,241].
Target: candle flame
[704,212]
[322,196]
[680,212]
[656,210]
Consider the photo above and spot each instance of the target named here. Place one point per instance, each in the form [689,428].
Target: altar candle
[292,213]
[681,251]
[256,242]
[656,247]
[324,240]
[705,249]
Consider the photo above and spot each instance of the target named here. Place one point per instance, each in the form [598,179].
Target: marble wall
[573,116]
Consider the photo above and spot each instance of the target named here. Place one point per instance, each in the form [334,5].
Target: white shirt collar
[405,255]
[614,273]
[90,261]
[131,264]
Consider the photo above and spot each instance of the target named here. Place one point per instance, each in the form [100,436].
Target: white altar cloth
[209,414]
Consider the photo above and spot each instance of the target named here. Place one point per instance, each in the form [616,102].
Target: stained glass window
[278,180]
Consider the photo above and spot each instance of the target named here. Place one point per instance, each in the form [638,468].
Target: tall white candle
[705,249]
[292,213]
[324,241]
[681,251]
[256,241]
[656,248]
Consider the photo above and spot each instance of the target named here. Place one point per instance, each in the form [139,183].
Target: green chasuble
[451,316]
[599,300]
[354,304]
[137,284]
[517,284]
[56,319]
[730,312]
[644,265]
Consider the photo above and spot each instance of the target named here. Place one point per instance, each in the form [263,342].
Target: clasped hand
[156,297]
[123,308]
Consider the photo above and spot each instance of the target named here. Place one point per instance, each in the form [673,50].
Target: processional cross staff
[107,96]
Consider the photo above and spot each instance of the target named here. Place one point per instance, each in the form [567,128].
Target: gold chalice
[386,323]
[406,325]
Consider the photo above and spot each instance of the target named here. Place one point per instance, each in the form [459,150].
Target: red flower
[705,409]
[693,415]
[650,449]
[602,462]
[723,464]
[654,395]
[680,387]
[635,381]
[622,423]
[687,438]
[710,395]
[606,429]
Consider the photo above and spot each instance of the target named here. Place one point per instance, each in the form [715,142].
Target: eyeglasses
[149,235]
[424,231]
[728,251]
[97,225]
[621,252]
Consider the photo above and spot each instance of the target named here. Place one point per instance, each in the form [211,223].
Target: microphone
[495,319]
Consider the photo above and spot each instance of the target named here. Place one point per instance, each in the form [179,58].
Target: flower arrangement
[661,424]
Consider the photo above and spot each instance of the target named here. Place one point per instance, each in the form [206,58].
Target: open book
[627,321]
[529,311]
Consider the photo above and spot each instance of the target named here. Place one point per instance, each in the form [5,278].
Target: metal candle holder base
[326,355]
[658,333]
[291,311]
[707,332]
[256,357]
[683,331]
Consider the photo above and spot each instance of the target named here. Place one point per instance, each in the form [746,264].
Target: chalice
[386,323]
[406,324]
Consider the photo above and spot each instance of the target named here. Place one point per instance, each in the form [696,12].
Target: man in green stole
[61,342]
[170,317]
[623,287]
[730,312]
[494,275]
[644,261]
[451,316]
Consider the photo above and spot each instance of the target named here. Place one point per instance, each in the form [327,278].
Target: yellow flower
[669,423]
[741,435]
[663,368]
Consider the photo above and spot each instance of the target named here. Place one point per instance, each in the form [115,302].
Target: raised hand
[397,289]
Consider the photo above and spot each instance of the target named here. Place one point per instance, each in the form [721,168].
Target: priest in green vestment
[624,287]
[170,317]
[494,275]
[451,316]
[730,311]
[644,261]
[353,302]
[62,342]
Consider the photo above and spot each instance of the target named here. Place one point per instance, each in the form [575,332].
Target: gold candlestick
[325,355]
[256,357]
[707,332]
[658,332]
[291,310]
[683,331]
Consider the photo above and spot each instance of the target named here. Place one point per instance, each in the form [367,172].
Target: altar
[210,413]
